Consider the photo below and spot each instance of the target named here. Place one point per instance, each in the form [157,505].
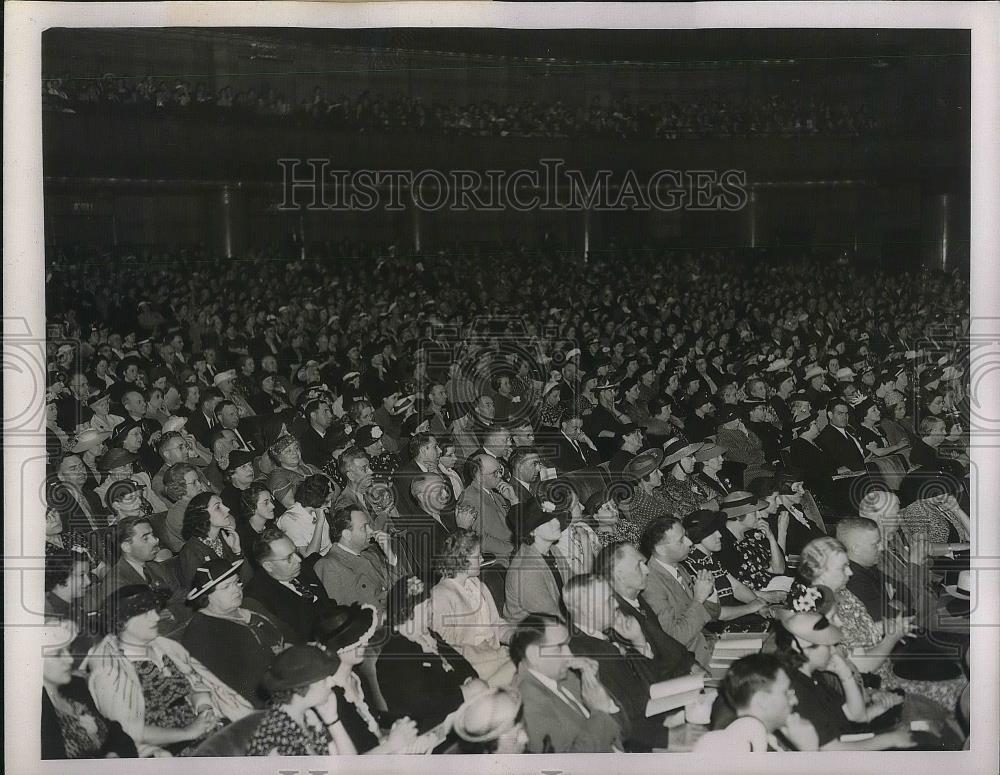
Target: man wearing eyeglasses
[287,587]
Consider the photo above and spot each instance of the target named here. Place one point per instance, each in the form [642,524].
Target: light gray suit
[492,525]
[679,614]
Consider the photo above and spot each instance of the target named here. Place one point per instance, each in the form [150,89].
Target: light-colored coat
[530,587]
[680,615]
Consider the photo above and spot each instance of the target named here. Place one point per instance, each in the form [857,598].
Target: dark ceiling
[648,45]
[714,47]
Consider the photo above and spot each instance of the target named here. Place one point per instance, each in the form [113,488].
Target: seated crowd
[352,515]
[695,115]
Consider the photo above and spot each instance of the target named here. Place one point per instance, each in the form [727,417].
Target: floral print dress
[279,733]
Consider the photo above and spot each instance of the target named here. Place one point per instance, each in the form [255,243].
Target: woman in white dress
[464,613]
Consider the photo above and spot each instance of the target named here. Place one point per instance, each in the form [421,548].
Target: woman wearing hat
[125,499]
[870,644]
[239,475]
[491,723]
[72,727]
[420,675]
[234,638]
[704,529]
[302,719]
[782,497]
[578,542]
[750,551]
[464,612]
[601,514]
[119,463]
[551,409]
[681,490]
[827,693]
[370,438]
[90,445]
[103,420]
[209,532]
[289,469]
[708,462]
[345,631]
[810,461]
[163,697]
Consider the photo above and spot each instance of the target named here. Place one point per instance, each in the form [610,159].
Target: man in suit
[80,510]
[605,423]
[357,569]
[525,468]
[626,671]
[538,570]
[680,601]
[565,707]
[570,449]
[137,547]
[468,429]
[424,453]
[436,410]
[248,436]
[839,441]
[434,519]
[202,422]
[287,588]
[316,440]
[499,444]
[491,498]
[625,569]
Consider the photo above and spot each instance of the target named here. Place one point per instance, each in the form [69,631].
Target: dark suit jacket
[417,685]
[249,429]
[402,478]
[625,678]
[554,726]
[564,457]
[73,516]
[842,451]
[299,614]
[122,574]
[423,539]
[199,427]
[672,658]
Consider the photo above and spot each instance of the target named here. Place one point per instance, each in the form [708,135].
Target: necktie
[554,568]
[685,582]
[857,443]
[567,695]
[302,589]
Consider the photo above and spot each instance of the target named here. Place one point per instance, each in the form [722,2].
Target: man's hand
[920,549]
[466,516]
[801,733]
[704,585]
[595,696]
[507,492]
[384,540]
[630,629]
